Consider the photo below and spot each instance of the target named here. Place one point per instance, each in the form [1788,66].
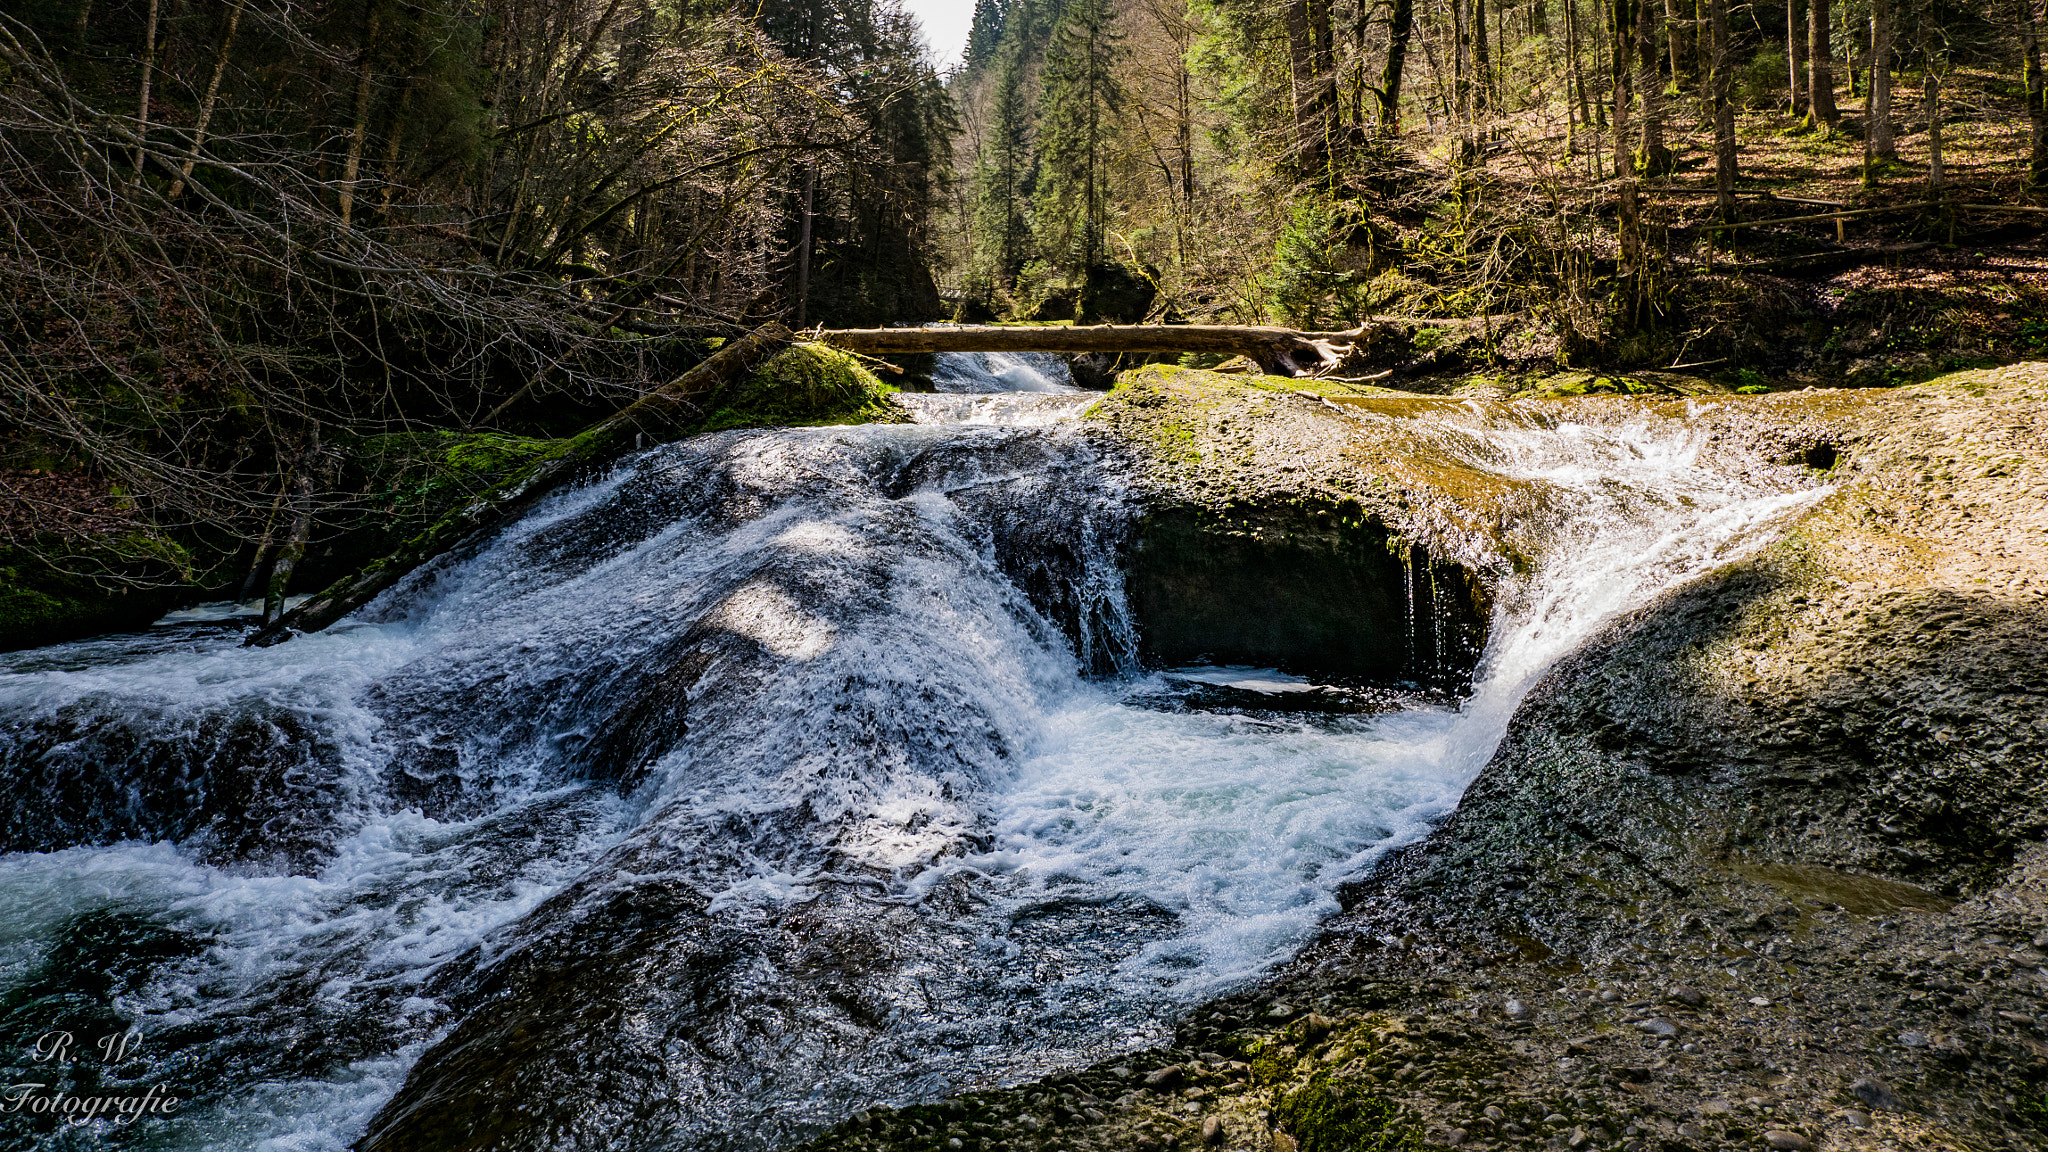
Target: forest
[288,280]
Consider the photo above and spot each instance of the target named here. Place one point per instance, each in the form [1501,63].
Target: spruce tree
[1001,179]
[985,34]
[1079,105]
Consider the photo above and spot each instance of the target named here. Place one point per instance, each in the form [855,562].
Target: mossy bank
[388,488]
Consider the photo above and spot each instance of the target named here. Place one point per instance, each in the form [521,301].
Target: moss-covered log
[1277,351]
[664,414]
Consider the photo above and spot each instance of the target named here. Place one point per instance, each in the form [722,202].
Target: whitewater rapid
[771,682]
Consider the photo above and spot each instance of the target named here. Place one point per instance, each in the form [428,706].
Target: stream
[775,774]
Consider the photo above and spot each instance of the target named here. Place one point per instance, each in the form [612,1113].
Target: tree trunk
[360,131]
[1932,90]
[1621,59]
[1795,57]
[1308,39]
[1398,33]
[148,74]
[1724,108]
[1482,64]
[1820,83]
[220,67]
[2036,93]
[1653,159]
[803,250]
[1674,41]
[1877,129]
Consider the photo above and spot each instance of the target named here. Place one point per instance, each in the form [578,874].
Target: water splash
[804,682]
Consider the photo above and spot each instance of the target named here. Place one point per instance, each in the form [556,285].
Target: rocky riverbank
[1761,865]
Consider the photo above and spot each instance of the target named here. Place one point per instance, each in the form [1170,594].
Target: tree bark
[359,132]
[2036,85]
[661,415]
[220,67]
[803,249]
[1932,92]
[1398,33]
[148,74]
[1653,159]
[1820,83]
[1724,109]
[1877,129]
[1795,57]
[1621,53]
[1674,40]
[1482,64]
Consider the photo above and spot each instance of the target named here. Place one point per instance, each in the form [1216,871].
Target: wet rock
[1876,1094]
[1165,1079]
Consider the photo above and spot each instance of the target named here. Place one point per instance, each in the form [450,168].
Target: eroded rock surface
[1761,865]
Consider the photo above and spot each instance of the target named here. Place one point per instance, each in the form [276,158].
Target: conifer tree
[1079,105]
[985,34]
[1002,177]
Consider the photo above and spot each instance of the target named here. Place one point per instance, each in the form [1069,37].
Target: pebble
[1212,1130]
[1282,1142]
[1687,995]
[1515,1010]
[1660,1028]
[1556,1118]
[1784,1141]
[1165,1079]
[1913,1039]
[1856,1118]
[1494,1113]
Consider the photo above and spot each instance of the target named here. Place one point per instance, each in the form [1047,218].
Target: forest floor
[1946,280]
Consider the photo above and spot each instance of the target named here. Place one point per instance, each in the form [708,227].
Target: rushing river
[776,774]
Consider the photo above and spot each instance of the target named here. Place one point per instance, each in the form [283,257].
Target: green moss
[1326,1115]
[62,590]
[806,386]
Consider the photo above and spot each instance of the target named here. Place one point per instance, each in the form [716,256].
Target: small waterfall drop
[824,749]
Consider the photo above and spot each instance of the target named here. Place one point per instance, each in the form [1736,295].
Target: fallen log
[1277,351]
[1832,261]
[666,413]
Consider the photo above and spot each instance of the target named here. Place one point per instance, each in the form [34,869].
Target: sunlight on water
[865,685]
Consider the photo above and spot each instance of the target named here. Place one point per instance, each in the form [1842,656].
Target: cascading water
[776,774]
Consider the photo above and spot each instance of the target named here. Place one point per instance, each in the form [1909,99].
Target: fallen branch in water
[661,415]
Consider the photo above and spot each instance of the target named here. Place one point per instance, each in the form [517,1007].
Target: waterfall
[820,754]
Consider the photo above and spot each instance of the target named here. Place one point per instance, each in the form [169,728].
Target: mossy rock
[1660,385]
[808,386]
[1326,1115]
[47,598]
